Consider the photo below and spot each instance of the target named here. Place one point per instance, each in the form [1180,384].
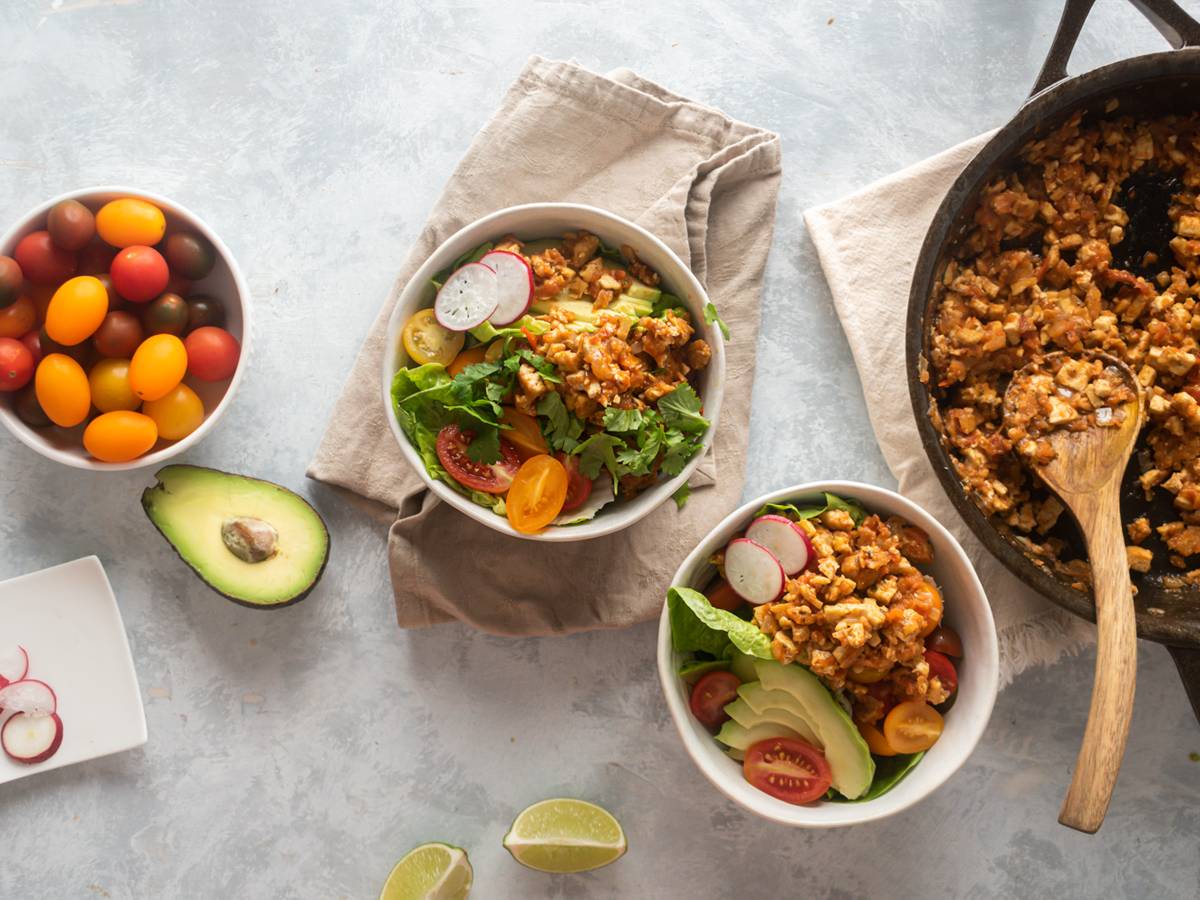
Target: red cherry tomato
[722,595]
[16,365]
[491,478]
[710,696]
[945,640]
[788,769]
[579,487]
[941,667]
[212,353]
[139,273]
[33,340]
[43,261]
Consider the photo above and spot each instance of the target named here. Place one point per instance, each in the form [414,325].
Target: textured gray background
[300,753]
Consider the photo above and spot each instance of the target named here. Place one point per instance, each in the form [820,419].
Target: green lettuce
[698,626]
[832,501]
[889,772]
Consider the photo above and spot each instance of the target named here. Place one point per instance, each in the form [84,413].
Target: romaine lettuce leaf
[696,625]
[832,501]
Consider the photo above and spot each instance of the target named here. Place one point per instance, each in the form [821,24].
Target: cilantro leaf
[711,315]
[681,409]
[622,420]
[564,429]
[681,496]
[598,452]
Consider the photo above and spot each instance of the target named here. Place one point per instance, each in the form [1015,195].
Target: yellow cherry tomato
[61,387]
[119,436]
[427,341]
[537,494]
[177,414]
[109,381]
[157,366]
[76,310]
[130,221]
[912,726]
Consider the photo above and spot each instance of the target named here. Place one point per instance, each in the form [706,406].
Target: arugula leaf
[889,772]
[832,501]
[697,625]
[681,409]
[564,428]
[711,315]
[681,496]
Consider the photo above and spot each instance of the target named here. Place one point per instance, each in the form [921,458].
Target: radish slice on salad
[785,539]
[29,696]
[31,739]
[467,298]
[14,664]
[514,283]
[753,571]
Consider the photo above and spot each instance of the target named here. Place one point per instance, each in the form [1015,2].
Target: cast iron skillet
[1150,85]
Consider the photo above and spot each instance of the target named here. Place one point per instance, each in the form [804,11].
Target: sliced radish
[29,696]
[14,664]
[31,739]
[753,571]
[514,282]
[785,539]
[467,298]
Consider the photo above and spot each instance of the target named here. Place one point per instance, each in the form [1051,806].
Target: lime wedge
[565,835]
[430,872]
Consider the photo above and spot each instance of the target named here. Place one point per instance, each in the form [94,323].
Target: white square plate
[67,619]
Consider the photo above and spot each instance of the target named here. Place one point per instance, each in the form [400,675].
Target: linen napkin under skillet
[706,186]
[868,244]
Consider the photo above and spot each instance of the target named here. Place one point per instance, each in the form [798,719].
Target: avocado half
[204,513]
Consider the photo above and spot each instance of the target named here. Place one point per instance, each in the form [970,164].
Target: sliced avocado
[584,312]
[847,753]
[639,291]
[254,542]
[739,737]
[632,306]
[742,665]
[753,708]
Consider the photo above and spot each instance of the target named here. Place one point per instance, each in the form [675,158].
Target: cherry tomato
[139,273]
[109,384]
[158,364]
[62,390]
[81,353]
[130,221]
[945,639]
[912,726]
[76,310]
[28,409]
[119,436]
[16,365]
[466,358]
[17,318]
[711,694]
[33,341]
[427,341]
[579,486]
[722,595]
[940,667]
[537,494]
[788,769]
[920,594]
[43,261]
[11,280]
[96,258]
[202,311]
[168,314]
[491,478]
[118,335]
[177,414]
[524,433]
[866,676]
[191,255]
[71,225]
[876,742]
[212,353]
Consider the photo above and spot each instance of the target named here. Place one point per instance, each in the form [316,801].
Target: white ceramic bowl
[541,220]
[966,609]
[224,283]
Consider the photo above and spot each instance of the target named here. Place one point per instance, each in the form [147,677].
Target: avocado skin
[147,502]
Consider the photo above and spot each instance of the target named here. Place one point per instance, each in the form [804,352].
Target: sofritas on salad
[817,655]
[550,378]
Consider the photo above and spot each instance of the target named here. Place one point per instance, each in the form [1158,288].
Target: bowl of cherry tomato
[124,326]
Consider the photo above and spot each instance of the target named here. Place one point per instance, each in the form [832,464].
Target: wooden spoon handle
[1116,665]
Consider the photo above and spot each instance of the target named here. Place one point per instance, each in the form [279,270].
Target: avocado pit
[250,540]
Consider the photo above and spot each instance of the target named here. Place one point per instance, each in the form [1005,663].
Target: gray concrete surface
[300,753]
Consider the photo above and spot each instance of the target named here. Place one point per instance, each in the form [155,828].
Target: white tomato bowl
[224,283]
[966,609]
[531,222]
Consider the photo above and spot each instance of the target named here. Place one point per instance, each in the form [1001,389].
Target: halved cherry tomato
[579,486]
[941,667]
[945,639]
[427,341]
[865,676]
[923,597]
[491,478]
[537,494]
[876,742]
[466,358]
[722,595]
[711,694]
[524,433]
[788,769]
[913,726]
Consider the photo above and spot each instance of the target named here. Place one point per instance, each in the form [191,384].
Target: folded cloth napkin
[868,244]
[704,184]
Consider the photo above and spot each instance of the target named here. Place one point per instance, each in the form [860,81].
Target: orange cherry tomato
[177,414]
[62,390]
[912,726]
[76,310]
[466,358]
[109,383]
[157,366]
[524,433]
[130,221]
[876,742]
[17,318]
[537,494]
[119,436]
[933,610]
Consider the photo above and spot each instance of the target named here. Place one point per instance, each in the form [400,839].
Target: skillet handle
[1180,30]
[1187,660]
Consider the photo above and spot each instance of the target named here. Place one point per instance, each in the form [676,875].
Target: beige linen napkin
[868,244]
[703,183]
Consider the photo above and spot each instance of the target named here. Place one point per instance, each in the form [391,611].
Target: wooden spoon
[1086,474]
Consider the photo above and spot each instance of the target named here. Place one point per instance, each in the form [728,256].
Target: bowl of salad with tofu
[828,655]
[554,372]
